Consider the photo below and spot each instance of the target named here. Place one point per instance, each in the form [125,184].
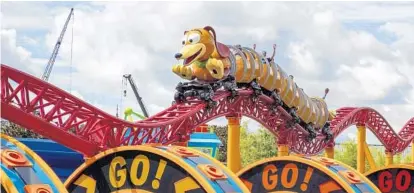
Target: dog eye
[183,40]
[194,38]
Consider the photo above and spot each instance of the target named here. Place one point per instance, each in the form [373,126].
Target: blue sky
[361,51]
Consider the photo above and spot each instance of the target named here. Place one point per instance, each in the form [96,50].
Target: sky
[362,51]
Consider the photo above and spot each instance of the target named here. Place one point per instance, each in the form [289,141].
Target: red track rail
[84,128]
[349,116]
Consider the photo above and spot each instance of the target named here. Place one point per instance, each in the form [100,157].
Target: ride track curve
[365,116]
[56,114]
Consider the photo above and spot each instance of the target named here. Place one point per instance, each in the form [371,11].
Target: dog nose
[178,55]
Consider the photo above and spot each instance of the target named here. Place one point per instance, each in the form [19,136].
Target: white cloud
[15,55]
[372,11]
[303,59]
[351,136]
[370,77]
[403,31]
[27,16]
[77,94]
[323,18]
[30,41]
[141,38]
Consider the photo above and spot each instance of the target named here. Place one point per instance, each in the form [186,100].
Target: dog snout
[178,55]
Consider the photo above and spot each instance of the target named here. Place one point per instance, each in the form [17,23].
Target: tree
[257,145]
[14,130]
[400,158]
[379,156]
[347,154]
[221,132]
[254,146]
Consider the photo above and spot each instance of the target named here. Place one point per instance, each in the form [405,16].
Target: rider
[271,59]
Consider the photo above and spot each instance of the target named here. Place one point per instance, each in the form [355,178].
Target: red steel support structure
[373,120]
[84,128]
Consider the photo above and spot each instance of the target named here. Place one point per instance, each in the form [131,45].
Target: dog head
[198,45]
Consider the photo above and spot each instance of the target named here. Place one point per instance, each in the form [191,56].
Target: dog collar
[201,64]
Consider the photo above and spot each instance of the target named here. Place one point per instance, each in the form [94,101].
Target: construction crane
[134,88]
[52,58]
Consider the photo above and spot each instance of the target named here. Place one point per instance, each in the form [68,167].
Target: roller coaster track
[54,113]
[368,117]
[84,128]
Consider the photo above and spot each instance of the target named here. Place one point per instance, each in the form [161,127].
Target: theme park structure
[230,81]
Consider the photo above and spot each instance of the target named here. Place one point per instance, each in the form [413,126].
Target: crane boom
[134,88]
[52,58]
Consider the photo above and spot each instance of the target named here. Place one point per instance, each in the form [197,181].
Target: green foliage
[221,132]
[400,158]
[379,156]
[257,145]
[14,130]
[254,146]
[347,154]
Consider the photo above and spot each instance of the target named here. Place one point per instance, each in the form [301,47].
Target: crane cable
[123,93]
[71,55]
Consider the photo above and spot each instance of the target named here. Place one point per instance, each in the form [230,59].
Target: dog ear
[185,32]
[222,50]
[211,30]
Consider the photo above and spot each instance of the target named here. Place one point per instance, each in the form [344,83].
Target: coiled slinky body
[245,64]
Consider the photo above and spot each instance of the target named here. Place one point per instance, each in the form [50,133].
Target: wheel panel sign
[134,170]
[394,180]
[289,176]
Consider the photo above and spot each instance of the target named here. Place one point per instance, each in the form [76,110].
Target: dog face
[198,44]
